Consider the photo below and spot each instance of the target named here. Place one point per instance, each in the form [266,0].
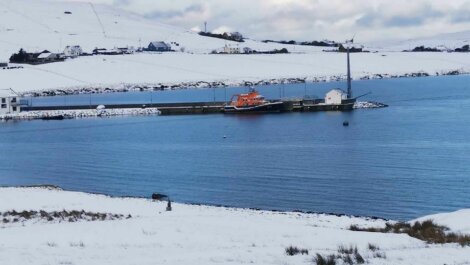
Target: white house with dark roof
[9,102]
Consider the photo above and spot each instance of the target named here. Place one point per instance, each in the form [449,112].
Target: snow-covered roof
[44,55]
[337,90]
[160,44]
[6,93]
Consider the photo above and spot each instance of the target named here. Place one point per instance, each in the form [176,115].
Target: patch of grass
[321,260]
[77,244]
[359,259]
[292,251]
[380,255]
[347,250]
[426,231]
[51,244]
[373,247]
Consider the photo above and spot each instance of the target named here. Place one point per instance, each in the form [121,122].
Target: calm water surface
[401,162]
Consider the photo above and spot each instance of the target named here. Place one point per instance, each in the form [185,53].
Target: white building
[335,97]
[231,50]
[73,51]
[9,102]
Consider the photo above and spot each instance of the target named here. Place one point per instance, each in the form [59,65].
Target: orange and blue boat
[253,102]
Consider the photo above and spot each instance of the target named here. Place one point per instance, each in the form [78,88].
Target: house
[47,57]
[352,48]
[2,64]
[159,46]
[73,51]
[126,50]
[99,51]
[335,97]
[10,102]
[231,50]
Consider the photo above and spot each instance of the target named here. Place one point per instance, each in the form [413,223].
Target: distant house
[231,50]
[10,102]
[47,57]
[335,97]
[159,46]
[73,51]
[352,49]
[99,51]
[2,64]
[36,58]
[126,50]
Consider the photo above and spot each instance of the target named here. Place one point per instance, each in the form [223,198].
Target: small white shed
[335,97]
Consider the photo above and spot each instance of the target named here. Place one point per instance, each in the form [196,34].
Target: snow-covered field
[198,234]
[174,68]
[36,25]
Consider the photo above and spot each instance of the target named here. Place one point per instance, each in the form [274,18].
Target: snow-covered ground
[174,68]
[36,25]
[197,234]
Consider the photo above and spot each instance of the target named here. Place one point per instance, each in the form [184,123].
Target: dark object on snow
[345,123]
[168,206]
[68,13]
[465,48]
[158,196]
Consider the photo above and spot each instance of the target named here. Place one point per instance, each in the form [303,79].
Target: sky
[368,20]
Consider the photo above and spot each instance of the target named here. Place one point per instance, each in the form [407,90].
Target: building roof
[44,55]
[6,92]
[337,90]
[160,44]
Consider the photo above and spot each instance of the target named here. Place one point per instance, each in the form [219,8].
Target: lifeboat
[254,102]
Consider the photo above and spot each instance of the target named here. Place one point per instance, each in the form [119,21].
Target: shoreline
[147,87]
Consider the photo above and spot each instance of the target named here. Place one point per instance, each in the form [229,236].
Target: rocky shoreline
[128,87]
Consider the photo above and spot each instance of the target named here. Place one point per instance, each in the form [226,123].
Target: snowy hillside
[36,25]
[449,41]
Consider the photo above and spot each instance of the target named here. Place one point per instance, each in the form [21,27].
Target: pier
[188,108]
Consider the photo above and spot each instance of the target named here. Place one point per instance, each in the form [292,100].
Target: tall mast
[349,73]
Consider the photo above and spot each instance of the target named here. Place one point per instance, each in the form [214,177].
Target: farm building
[231,50]
[335,97]
[352,48]
[73,51]
[159,46]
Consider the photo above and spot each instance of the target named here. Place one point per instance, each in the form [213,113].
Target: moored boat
[253,102]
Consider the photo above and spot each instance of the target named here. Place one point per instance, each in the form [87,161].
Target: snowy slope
[174,68]
[193,234]
[449,41]
[38,24]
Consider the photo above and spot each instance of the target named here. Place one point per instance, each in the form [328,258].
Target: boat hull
[272,107]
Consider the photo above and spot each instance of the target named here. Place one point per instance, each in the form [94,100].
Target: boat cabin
[253,98]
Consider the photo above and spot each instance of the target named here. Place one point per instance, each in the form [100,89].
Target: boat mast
[349,69]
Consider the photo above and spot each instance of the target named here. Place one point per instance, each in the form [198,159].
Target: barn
[159,46]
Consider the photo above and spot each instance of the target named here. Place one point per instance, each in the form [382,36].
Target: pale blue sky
[310,19]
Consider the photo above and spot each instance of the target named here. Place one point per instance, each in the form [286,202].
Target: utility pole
[205,26]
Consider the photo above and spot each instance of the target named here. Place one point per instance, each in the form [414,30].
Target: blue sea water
[401,162]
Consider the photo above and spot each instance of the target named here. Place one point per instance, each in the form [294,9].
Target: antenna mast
[349,68]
